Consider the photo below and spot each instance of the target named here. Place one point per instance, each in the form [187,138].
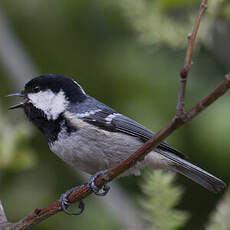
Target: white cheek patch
[50,103]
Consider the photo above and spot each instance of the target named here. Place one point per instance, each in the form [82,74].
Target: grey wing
[115,122]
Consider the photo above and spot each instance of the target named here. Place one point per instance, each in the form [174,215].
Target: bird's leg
[65,203]
[94,188]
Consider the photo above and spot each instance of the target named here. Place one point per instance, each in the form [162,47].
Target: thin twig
[188,59]
[192,38]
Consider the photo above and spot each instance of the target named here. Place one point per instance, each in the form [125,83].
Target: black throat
[50,128]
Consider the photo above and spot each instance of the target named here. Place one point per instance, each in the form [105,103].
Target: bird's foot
[94,188]
[65,203]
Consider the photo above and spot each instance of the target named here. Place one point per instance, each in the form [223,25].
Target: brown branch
[180,118]
[188,59]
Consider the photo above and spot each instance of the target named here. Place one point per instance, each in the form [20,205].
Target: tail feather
[200,176]
[195,173]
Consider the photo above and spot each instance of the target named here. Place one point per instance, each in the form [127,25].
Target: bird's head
[48,96]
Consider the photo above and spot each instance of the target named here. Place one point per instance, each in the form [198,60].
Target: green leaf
[220,219]
[161,195]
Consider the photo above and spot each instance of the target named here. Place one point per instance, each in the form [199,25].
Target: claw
[94,188]
[65,203]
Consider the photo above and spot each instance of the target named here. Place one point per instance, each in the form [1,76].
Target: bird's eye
[36,89]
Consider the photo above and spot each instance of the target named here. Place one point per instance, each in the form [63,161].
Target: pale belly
[91,149]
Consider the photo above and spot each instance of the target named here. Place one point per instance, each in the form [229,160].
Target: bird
[92,137]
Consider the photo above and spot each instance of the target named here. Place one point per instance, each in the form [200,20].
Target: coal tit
[90,136]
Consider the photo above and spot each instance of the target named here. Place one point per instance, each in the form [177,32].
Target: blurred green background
[126,53]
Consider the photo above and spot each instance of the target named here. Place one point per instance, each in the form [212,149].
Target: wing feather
[112,121]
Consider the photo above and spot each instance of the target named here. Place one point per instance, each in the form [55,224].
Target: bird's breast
[90,148]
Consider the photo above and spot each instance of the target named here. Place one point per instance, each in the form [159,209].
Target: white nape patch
[87,114]
[52,104]
[109,118]
[82,90]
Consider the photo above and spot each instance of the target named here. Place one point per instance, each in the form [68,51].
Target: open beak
[18,94]
[19,105]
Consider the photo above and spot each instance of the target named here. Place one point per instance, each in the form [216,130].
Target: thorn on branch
[37,211]
[189,36]
[204,5]
[184,73]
